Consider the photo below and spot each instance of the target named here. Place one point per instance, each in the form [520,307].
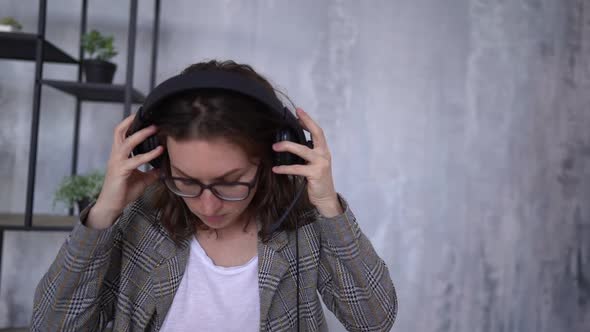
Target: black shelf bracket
[98,92]
[23,46]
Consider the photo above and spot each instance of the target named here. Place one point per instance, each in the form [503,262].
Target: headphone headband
[290,130]
[212,79]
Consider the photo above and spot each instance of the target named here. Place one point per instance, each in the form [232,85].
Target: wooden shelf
[22,46]
[41,222]
[113,93]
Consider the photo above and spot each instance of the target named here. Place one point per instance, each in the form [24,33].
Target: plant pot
[99,71]
[8,28]
[83,203]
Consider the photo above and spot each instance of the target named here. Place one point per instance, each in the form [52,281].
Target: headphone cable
[278,224]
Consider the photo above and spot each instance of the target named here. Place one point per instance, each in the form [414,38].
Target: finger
[302,124]
[317,134]
[122,127]
[298,149]
[134,140]
[144,158]
[301,170]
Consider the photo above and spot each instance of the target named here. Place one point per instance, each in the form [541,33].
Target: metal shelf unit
[34,47]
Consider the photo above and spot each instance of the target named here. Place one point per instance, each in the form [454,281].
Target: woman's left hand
[318,170]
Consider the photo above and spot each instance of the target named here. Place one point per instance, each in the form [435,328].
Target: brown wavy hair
[243,121]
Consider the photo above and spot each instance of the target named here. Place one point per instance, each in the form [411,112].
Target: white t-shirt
[215,298]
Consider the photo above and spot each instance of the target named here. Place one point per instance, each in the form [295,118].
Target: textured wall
[459,131]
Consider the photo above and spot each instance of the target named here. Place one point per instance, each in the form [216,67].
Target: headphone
[230,81]
[218,79]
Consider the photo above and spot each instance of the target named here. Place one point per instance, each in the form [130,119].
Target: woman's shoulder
[141,216]
[313,225]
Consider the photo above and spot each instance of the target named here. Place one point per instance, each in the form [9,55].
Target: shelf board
[113,93]
[16,221]
[22,46]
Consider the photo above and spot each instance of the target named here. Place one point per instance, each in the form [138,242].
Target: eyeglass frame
[163,177]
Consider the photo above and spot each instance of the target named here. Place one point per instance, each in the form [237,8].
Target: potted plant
[99,49]
[79,189]
[9,24]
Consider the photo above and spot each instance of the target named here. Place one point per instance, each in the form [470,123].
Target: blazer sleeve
[78,293]
[354,281]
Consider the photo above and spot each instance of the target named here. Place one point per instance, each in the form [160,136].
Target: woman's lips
[213,218]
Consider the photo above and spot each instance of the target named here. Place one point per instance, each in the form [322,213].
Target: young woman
[194,244]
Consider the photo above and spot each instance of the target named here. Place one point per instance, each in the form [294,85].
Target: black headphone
[224,80]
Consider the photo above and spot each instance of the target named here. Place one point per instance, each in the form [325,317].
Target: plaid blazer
[130,272]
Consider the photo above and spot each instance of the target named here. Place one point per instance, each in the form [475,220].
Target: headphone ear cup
[286,158]
[148,144]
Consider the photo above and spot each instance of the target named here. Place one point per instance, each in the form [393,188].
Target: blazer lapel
[272,266]
[168,274]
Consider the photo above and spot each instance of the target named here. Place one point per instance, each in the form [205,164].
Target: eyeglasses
[227,191]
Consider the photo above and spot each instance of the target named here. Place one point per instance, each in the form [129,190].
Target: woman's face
[211,161]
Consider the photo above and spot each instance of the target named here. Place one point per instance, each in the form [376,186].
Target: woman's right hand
[123,182]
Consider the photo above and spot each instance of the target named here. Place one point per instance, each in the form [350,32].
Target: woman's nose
[209,202]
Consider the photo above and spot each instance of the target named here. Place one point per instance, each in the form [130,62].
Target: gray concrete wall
[459,131]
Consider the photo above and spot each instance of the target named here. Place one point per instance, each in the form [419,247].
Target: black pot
[99,71]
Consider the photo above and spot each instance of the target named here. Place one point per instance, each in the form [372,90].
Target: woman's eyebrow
[235,170]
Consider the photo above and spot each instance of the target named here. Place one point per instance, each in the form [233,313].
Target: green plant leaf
[8,20]
[78,187]
[98,46]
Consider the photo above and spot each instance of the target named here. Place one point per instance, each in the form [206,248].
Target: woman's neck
[234,231]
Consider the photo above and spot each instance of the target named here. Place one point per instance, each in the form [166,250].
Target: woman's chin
[216,222]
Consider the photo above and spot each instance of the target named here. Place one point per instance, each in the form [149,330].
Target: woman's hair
[241,120]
